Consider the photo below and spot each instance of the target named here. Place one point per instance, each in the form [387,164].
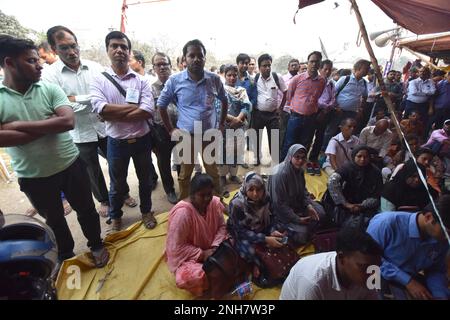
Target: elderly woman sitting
[292,204]
[354,191]
[196,229]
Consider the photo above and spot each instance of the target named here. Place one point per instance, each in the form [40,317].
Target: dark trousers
[300,130]
[322,121]
[440,115]
[284,119]
[45,195]
[162,146]
[119,154]
[261,120]
[89,154]
[333,126]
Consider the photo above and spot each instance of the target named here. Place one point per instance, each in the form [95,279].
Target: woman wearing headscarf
[355,190]
[196,229]
[406,192]
[292,204]
[251,224]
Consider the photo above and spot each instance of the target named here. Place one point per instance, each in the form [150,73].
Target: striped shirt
[103,92]
[304,93]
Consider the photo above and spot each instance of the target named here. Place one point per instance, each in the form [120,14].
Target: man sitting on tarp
[413,243]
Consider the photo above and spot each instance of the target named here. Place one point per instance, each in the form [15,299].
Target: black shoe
[172,197]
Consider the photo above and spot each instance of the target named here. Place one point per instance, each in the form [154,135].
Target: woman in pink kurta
[196,229]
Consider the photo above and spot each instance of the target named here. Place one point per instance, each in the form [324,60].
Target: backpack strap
[275,78]
[257,78]
[346,81]
[277,81]
[343,149]
[114,82]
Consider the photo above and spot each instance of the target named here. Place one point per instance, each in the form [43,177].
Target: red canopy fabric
[305,3]
[437,46]
[418,16]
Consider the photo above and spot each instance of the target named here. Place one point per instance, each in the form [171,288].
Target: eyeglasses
[68,47]
[160,65]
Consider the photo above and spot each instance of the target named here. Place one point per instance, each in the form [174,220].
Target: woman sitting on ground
[354,190]
[405,191]
[251,222]
[196,229]
[292,204]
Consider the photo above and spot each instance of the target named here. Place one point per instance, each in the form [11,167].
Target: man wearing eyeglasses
[74,76]
[163,145]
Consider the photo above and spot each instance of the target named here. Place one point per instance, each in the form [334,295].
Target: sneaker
[309,169]
[235,179]
[172,197]
[316,169]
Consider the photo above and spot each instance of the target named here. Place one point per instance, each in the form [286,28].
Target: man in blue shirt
[351,95]
[194,90]
[442,102]
[413,243]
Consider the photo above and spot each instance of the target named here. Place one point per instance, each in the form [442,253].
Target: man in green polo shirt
[35,118]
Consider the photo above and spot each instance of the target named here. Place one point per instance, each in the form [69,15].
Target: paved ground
[12,200]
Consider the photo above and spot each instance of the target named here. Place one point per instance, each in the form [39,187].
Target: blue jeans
[300,129]
[119,154]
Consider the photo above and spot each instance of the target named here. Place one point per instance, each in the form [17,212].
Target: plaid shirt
[304,92]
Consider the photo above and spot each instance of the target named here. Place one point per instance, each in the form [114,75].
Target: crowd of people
[57,118]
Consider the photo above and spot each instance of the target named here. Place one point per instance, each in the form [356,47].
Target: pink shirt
[304,93]
[189,233]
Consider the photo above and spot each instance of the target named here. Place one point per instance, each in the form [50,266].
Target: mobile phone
[284,240]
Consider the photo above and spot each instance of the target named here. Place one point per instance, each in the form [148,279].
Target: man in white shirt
[420,92]
[340,147]
[266,114]
[338,275]
[74,76]
[378,137]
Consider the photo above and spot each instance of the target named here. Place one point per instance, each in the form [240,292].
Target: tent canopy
[418,16]
[433,45]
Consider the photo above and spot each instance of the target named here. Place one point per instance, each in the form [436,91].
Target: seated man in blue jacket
[413,243]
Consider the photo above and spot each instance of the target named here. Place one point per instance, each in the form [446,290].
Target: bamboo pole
[390,105]
[421,57]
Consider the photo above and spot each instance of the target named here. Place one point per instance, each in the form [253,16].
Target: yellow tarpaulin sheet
[137,269]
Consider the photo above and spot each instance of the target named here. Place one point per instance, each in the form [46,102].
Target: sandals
[149,220]
[100,257]
[67,207]
[130,202]
[103,210]
[31,212]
